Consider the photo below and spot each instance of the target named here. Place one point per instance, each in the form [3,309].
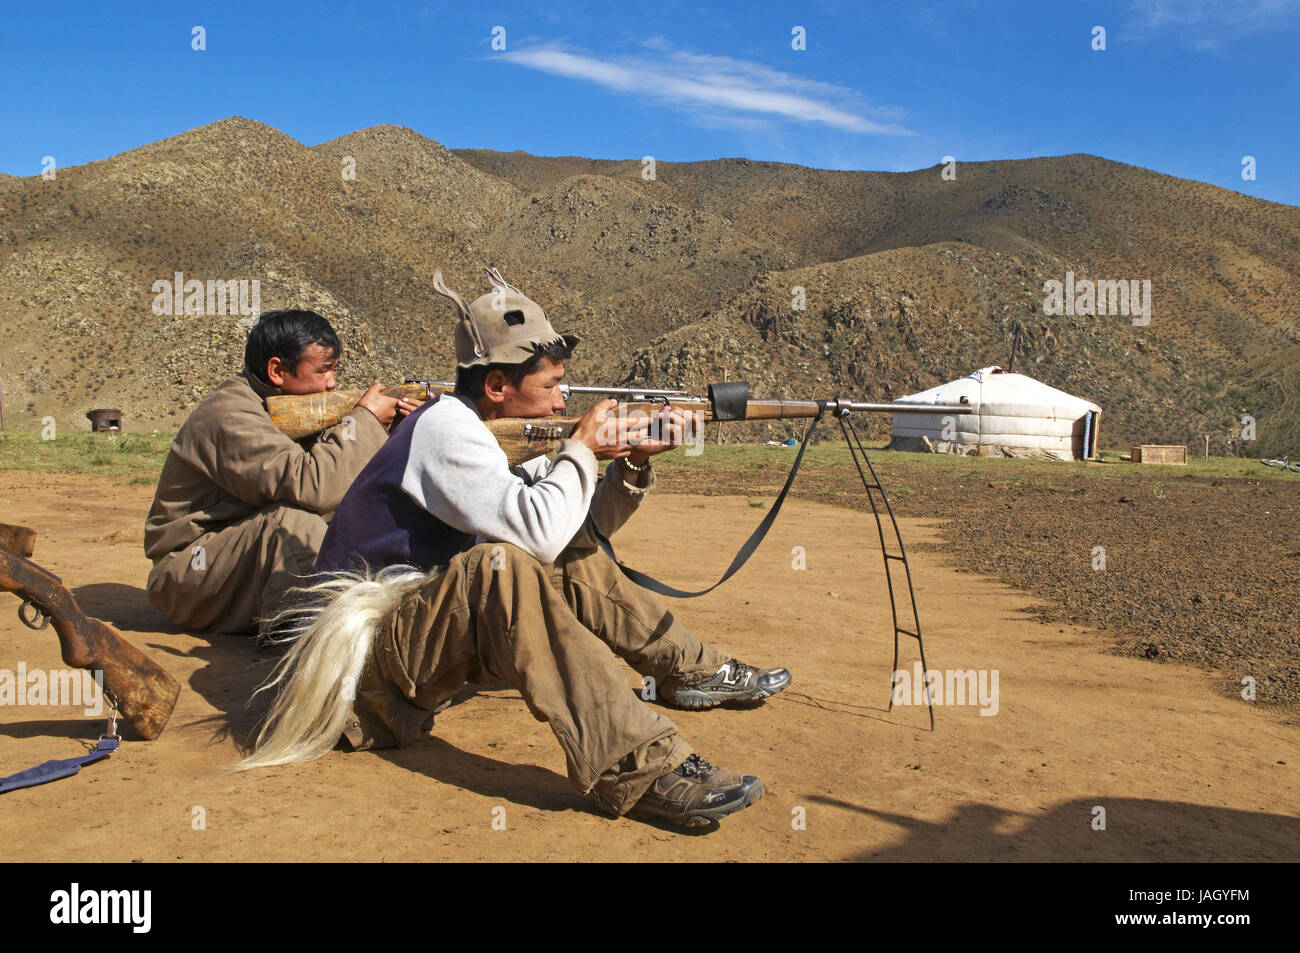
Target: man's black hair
[470,380]
[286,334]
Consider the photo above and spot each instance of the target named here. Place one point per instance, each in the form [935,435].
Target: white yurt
[1014,416]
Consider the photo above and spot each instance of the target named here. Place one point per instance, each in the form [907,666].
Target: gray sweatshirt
[457,472]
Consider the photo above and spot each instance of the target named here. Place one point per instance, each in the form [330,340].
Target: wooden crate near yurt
[1160,453]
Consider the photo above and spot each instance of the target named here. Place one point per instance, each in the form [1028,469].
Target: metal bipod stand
[873,486]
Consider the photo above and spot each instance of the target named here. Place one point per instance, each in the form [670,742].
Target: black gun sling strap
[742,557]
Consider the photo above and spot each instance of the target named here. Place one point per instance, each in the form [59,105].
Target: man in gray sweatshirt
[527,596]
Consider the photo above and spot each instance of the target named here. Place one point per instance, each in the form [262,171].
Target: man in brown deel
[241,509]
[526,596]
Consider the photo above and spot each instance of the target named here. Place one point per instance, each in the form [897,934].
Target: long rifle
[522,439]
[728,402]
[568,390]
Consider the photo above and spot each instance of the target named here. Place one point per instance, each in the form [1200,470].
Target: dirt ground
[1182,770]
[1171,566]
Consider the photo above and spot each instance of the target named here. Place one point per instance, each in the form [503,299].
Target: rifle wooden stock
[145,693]
[301,415]
[18,539]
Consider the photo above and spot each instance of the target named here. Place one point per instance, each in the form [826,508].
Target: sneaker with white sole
[734,682]
[696,793]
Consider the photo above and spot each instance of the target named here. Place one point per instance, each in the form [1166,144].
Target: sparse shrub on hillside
[1241,399]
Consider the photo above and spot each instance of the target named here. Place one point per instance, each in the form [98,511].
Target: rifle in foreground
[144,693]
[522,439]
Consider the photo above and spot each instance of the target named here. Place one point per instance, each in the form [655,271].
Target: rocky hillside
[907,279]
[910,279]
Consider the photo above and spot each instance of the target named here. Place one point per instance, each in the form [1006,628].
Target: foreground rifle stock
[301,415]
[144,693]
[522,439]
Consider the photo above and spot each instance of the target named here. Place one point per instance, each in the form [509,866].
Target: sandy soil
[1195,569]
[1182,771]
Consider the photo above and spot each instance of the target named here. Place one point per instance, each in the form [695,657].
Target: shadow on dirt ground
[1137,829]
[124,607]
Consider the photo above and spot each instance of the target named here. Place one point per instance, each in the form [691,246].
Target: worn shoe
[696,793]
[733,682]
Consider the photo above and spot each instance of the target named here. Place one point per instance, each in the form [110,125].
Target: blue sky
[1185,87]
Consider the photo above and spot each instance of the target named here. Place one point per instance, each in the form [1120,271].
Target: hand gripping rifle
[143,693]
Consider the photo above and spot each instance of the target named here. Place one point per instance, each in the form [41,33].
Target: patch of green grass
[136,457]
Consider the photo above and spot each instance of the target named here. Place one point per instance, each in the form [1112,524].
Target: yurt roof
[992,386]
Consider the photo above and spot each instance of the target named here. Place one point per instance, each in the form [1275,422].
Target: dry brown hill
[651,263]
[453,192]
[900,320]
[1095,216]
[1221,265]
[908,279]
[232,200]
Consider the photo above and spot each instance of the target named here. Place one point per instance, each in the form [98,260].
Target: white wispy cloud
[718,86]
[1208,24]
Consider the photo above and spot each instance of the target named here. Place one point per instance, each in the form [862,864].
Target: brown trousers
[233,580]
[553,632]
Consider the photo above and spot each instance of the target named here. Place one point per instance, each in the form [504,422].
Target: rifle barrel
[579,389]
[630,391]
[756,410]
[759,409]
[901,407]
[786,409]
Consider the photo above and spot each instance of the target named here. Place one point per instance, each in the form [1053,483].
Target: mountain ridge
[908,279]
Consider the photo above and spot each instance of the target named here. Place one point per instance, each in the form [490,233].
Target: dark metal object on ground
[104,419]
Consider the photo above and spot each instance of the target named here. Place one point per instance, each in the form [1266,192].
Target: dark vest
[378,525]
